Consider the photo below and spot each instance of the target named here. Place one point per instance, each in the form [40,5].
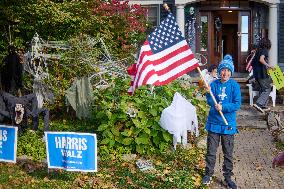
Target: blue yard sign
[8,143]
[71,151]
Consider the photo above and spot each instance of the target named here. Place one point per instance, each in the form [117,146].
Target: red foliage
[129,20]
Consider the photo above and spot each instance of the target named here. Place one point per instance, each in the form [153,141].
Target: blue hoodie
[229,95]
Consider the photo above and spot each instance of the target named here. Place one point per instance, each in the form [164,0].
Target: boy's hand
[218,107]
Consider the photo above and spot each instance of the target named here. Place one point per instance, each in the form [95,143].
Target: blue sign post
[8,143]
[71,151]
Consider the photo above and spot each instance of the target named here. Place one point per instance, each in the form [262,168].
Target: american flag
[164,56]
[249,61]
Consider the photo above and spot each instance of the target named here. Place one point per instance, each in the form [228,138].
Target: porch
[242,78]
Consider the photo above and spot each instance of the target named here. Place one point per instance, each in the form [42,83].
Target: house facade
[215,28]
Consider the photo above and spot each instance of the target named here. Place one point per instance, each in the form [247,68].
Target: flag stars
[165,35]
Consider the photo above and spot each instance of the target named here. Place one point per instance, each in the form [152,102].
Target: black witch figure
[12,71]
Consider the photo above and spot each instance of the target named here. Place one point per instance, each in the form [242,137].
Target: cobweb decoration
[108,66]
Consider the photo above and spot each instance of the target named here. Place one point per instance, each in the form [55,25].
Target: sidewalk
[253,152]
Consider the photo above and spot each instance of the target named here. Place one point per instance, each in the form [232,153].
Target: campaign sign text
[71,151]
[8,143]
[277,77]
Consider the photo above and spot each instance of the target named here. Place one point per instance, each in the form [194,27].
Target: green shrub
[141,132]
[32,145]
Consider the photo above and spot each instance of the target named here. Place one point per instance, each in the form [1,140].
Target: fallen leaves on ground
[197,180]
[258,166]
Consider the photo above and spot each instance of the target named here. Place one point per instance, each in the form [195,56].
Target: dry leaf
[129,180]
[259,168]
[158,162]
[100,175]
[166,171]
[197,180]
[46,179]
[201,164]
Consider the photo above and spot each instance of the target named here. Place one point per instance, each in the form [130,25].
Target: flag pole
[212,96]
[166,7]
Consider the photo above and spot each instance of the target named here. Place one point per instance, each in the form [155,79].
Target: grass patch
[280,145]
[179,169]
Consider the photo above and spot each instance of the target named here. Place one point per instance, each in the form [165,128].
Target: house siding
[281,35]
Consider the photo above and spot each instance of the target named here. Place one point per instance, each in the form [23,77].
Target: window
[204,33]
[153,15]
[244,34]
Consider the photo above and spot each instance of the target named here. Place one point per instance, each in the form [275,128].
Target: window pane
[152,14]
[204,33]
[244,41]
[244,24]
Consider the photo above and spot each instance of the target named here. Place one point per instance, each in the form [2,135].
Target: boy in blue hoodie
[228,96]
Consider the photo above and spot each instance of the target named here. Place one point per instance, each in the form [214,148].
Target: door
[244,39]
[210,37]
[216,39]
[204,37]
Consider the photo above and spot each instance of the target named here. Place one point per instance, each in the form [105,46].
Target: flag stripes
[163,57]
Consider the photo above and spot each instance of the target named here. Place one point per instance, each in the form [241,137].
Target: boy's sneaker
[258,108]
[206,180]
[231,184]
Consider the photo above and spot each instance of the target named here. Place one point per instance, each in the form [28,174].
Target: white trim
[145,2]
[183,2]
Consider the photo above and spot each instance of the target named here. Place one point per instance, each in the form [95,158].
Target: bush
[32,145]
[132,122]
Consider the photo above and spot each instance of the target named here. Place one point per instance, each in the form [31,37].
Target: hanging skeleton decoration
[36,65]
[19,109]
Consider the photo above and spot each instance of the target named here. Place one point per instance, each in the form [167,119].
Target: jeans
[264,90]
[227,142]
